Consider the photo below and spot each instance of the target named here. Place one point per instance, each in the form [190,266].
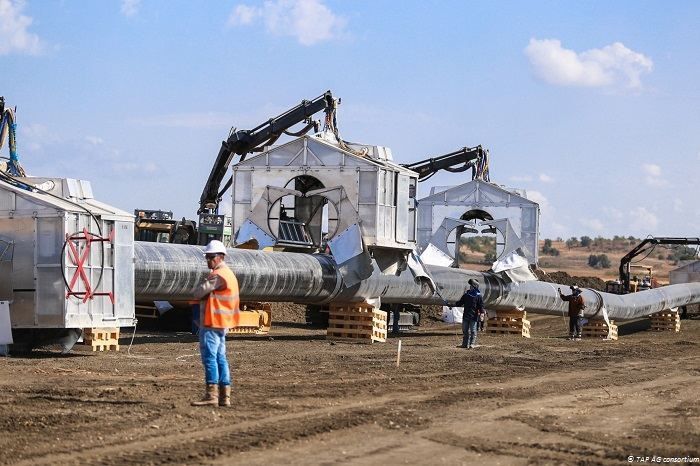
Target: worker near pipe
[473,305]
[220,302]
[576,307]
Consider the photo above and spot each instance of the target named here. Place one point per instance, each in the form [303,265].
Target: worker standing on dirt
[576,307]
[219,305]
[473,305]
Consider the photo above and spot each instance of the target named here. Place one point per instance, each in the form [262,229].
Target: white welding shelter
[373,185]
[477,203]
[66,259]
[315,193]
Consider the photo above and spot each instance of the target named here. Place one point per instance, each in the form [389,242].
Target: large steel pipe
[171,272]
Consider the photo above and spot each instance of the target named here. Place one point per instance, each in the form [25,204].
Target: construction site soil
[300,399]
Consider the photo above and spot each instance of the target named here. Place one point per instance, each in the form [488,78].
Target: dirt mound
[288,312]
[566,279]
[430,315]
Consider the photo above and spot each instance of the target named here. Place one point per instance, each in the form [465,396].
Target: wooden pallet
[356,322]
[666,321]
[102,339]
[509,323]
[597,328]
[255,318]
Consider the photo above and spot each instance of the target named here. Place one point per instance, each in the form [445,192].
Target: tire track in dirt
[197,445]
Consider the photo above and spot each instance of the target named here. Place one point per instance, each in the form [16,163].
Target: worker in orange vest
[219,307]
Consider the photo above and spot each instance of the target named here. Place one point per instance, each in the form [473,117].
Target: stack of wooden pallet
[666,321]
[102,339]
[254,319]
[509,322]
[356,322]
[597,328]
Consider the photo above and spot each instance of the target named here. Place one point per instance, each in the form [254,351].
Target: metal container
[686,273]
[377,189]
[479,199]
[66,260]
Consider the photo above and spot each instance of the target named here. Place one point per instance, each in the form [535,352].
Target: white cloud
[545,178]
[549,228]
[653,173]
[130,7]
[643,220]
[309,21]
[651,169]
[94,140]
[612,65]
[593,224]
[243,15]
[538,197]
[14,34]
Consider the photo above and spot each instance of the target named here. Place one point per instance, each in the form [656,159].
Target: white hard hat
[215,247]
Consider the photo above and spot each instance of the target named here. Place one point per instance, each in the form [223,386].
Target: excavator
[646,247]
[213,225]
[242,142]
[624,283]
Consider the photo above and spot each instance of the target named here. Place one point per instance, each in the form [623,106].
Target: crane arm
[241,142]
[641,248]
[466,157]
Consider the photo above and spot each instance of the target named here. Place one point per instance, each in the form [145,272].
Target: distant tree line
[600,243]
[674,254]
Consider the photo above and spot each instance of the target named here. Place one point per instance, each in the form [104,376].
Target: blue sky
[592,107]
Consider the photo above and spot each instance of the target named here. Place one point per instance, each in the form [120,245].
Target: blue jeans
[469,331]
[212,346]
[575,326]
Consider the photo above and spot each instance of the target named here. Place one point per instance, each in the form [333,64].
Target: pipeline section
[171,272]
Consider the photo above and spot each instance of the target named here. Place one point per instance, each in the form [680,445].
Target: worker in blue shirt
[473,305]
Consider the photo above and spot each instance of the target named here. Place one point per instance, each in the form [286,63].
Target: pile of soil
[288,312]
[564,278]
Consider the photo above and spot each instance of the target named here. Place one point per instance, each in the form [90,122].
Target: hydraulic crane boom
[241,142]
[641,248]
[468,157]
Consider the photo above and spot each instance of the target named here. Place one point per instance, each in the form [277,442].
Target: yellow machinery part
[254,318]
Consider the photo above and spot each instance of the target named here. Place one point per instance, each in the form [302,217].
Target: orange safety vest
[222,308]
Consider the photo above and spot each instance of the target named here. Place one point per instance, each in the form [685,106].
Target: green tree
[586,241]
[548,250]
[599,261]
[593,261]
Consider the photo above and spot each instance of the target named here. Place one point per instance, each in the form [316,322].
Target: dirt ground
[299,399]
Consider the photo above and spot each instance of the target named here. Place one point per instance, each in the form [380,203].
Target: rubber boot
[224,395]
[209,397]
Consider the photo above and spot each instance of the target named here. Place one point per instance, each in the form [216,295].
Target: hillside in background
[573,256]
